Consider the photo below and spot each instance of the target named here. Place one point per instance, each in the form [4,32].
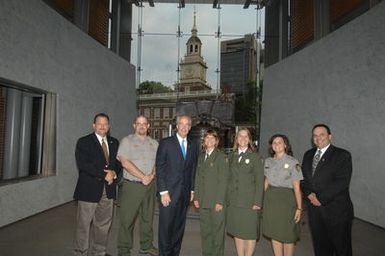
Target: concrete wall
[41,49]
[340,81]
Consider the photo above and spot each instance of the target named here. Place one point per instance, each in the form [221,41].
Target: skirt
[278,215]
[243,223]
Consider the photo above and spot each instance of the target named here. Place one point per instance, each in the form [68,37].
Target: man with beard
[137,154]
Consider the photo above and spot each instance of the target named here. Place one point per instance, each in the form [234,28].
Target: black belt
[133,181]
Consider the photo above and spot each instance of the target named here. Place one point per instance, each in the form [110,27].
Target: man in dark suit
[327,171]
[96,187]
[175,170]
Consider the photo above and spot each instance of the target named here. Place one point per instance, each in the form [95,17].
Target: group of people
[239,193]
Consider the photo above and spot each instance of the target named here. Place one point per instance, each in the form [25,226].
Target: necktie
[105,151]
[240,156]
[183,148]
[316,159]
[206,156]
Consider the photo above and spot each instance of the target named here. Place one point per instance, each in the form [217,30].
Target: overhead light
[215,3]
[136,2]
[247,4]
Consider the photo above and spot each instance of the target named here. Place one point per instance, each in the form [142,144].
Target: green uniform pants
[137,200]
[212,225]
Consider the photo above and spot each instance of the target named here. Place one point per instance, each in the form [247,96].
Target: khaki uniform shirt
[142,153]
[282,172]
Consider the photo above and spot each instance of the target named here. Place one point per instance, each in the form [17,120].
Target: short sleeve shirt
[140,152]
[282,172]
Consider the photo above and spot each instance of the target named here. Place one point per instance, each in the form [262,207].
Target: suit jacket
[246,179]
[175,174]
[211,179]
[91,165]
[330,182]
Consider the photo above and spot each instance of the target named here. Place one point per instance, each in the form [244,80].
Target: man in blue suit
[96,187]
[175,169]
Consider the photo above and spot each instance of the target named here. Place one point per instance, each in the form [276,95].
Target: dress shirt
[100,138]
[323,150]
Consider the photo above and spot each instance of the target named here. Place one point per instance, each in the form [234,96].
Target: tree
[150,87]
[247,105]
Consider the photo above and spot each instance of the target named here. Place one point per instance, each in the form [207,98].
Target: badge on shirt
[286,166]
[247,161]
[298,167]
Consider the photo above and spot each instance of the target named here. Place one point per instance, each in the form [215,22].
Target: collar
[242,151]
[323,150]
[100,138]
[209,152]
[180,139]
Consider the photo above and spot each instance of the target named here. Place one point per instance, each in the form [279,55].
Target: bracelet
[299,209]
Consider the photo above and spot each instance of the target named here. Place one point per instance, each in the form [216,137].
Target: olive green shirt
[246,180]
[211,179]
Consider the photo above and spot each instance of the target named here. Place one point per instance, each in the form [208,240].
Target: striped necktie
[315,162]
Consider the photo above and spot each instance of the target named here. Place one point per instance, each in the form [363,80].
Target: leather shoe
[150,251]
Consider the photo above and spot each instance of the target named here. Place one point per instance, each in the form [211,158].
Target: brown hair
[288,150]
[213,133]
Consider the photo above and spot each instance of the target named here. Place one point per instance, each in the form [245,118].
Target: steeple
[193,67]
[194,30]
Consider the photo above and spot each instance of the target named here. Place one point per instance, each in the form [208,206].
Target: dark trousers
[330,237]
[172,220]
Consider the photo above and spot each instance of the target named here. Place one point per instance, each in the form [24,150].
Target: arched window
[196,48]
[191,48]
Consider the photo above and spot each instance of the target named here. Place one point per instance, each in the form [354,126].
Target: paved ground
[51,234]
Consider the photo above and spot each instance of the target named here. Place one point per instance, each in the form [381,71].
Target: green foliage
[150,87]
[247,106]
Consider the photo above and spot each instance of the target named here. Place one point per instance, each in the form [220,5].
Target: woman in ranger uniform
[210,191]
[283,201]
[245,191]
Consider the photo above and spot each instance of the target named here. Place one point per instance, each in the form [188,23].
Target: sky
[160,43]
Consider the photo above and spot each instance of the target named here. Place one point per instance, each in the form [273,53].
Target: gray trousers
[92,227]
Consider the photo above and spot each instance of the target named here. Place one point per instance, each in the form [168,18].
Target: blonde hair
[249,144]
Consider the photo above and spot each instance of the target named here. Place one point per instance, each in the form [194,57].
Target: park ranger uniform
[279,203]
[210,189]
[137,199]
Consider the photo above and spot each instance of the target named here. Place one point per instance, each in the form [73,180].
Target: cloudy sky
[160,43]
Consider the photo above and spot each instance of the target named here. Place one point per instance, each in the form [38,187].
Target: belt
[133,181]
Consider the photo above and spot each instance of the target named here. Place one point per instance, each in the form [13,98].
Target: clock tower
[192,67]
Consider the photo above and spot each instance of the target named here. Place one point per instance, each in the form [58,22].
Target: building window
[172,112]
[27,132]
[147,112]
[165,133]
[156,113]
[156,134]
[166,112]
[196,48]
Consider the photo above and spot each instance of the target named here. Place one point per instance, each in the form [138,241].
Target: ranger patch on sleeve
[298,167]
